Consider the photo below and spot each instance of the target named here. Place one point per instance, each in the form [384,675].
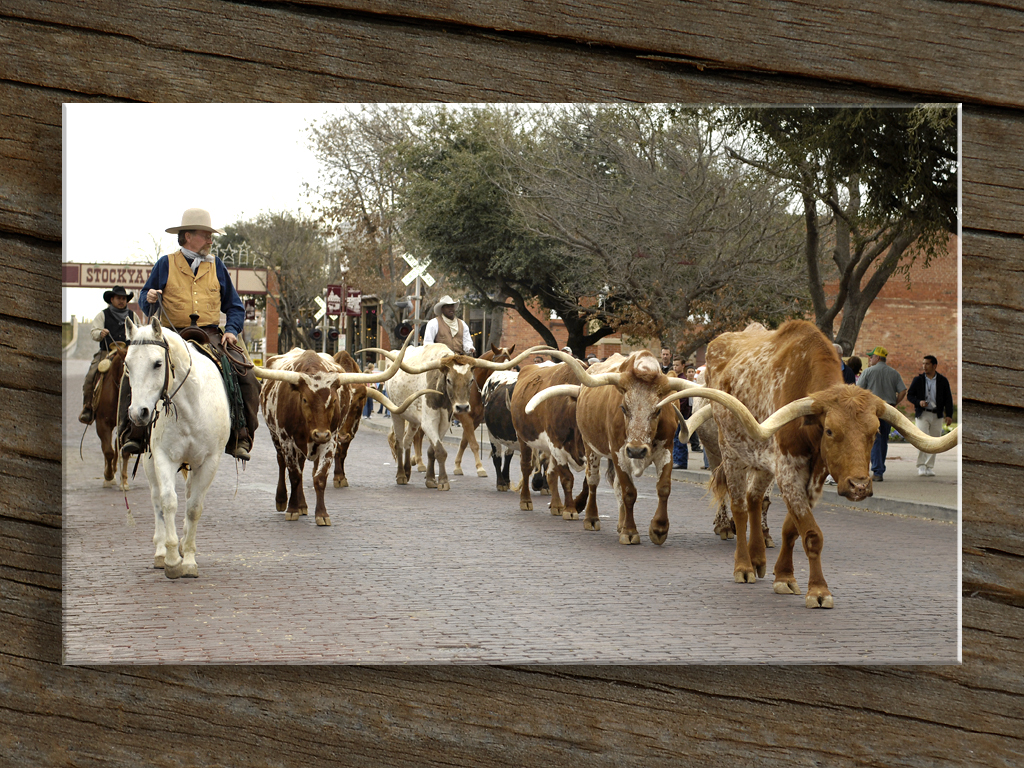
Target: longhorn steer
[620,418]
[813,425]
[550,431]
[450,377]
[475,416]
[497,411]
[304,403]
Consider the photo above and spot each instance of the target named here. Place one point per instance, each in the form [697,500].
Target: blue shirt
[230,303]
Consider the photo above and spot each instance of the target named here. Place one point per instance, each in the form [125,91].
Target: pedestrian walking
[933,406]
[887,384]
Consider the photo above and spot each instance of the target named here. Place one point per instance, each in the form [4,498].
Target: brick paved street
[412,575]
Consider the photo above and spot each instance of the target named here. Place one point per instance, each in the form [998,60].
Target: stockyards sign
[134,276]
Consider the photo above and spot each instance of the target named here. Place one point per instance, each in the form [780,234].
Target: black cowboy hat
[117,290]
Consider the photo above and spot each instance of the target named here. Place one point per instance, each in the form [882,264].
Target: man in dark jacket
[107,329]
[933,405]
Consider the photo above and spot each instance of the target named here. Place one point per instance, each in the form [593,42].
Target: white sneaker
[922,471]
[830,480]
[929,472]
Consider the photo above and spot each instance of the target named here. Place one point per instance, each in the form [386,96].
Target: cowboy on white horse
[189,282]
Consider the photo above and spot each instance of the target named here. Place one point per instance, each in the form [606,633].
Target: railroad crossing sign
[419,269]
[323,309]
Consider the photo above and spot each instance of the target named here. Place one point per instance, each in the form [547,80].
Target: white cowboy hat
[194,218]
[445,301]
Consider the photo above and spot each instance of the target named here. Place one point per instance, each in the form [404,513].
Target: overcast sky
[130,170]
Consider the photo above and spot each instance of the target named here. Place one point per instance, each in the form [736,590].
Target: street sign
[353,302]
[334,300]
[323,308]
[419,269]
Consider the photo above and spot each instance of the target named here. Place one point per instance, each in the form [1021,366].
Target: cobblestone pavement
[413,575]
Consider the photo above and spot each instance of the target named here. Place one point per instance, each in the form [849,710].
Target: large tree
[688,242]
[458,211]
[878,191]
[362,175]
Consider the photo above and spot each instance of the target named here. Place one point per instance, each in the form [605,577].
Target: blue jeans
[368,408]
[680,452]
[880,448]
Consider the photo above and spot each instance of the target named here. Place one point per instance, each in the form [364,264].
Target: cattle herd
[772,408]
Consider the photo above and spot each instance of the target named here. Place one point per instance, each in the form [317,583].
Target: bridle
[164,397]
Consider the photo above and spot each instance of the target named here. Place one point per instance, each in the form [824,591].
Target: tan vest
[444,336]
[187,294]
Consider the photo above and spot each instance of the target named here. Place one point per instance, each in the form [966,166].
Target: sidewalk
[902,492]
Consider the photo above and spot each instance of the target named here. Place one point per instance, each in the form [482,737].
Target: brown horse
[105,408]
[471,419]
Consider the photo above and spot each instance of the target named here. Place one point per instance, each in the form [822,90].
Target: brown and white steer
[620,418]
[549,432]
[813,425]
[304,402]
[475,416]
[351,420]
[432,367]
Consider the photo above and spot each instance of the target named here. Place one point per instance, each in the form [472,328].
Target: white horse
[180,391]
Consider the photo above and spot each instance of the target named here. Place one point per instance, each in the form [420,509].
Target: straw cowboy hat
[445,301]
[194,218]
[117,290]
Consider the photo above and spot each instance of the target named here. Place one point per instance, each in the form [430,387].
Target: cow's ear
[817,417]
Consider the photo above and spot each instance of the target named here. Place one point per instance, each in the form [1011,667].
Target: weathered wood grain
[496,716]
[928,47]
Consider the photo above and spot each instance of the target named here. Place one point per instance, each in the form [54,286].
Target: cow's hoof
[527,505]
[786,587]
[158,562]
[545,491]
[591,524]
[457,471]
[818,601]
[555,510]
[570,514]
[502,488]
[431,482]
[282,506]
[629,537]
[744,577]
[421,468]
[657,537]
[444,485]
[341,482]
[291,516]
[769,542]
[323,520]
[481,472]
[402,480]
[303,511]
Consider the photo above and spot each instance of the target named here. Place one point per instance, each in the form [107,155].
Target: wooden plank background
[650,50]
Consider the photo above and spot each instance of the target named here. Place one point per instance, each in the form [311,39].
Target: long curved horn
[795,410]
[407,367]
[589,380]
[372,378]
[292,377]
[380,397]
[919,439]
[568,390]
[702,415]
[681,383]
[508,364]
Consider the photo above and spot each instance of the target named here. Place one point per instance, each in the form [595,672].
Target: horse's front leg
[198,483]
[165,509]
